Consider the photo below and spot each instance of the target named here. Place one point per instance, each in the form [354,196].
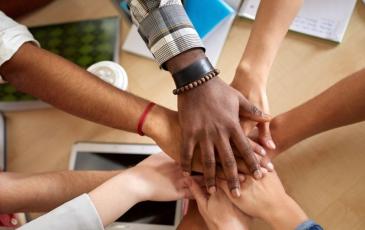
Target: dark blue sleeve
[309,225]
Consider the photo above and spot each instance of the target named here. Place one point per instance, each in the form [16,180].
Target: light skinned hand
[256,93]
[266,199]
[209,116]
[217,210]
[160,178]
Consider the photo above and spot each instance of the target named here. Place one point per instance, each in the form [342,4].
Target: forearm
[113,198]
[166,29]
[269,29]
[72,89]
[42,192]
[340,105]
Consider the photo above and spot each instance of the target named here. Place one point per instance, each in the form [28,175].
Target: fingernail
[186,174]
[257,174]
[270,166]
[212,190]
[236,192]
[264,171]
[262,152]
[241,178]
[271,144]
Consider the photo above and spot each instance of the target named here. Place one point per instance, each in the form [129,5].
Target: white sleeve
[12,36]
[77,214]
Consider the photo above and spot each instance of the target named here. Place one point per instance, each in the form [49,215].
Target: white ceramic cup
[110,72]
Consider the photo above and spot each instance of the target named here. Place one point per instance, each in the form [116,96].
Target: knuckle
[255,111]
[186,157]
[210,181]
[185,166]
[209,163]
[246,148]
[254,167]
[233,182]
[233,126]
[229,162]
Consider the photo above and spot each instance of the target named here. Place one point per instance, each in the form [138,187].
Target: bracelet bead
[197,83]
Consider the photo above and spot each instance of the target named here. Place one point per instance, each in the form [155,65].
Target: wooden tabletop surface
[325,174]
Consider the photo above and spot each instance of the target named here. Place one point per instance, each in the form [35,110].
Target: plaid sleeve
[165,27]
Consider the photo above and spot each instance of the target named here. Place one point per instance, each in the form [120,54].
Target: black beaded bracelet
[192,72]
[196,83]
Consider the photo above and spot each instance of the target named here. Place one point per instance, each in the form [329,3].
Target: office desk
[325,174]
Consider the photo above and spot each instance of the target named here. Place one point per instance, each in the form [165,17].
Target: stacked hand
[209,117]
[255,92]
[265,199]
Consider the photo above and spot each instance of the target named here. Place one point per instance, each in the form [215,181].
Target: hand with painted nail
[218,212]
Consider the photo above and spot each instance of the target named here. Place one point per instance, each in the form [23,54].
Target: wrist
[136,181]
[158,122]
[184,59]
[287,216]
[286,131]
[253,73]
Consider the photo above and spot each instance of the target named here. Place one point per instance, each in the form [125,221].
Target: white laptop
[108,156]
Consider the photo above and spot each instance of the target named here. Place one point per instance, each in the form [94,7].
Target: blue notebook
[207,14]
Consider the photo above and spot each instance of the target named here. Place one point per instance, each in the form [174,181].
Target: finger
[250,111]
[244,148]
[265,135]
[198,194]
[208,162]
[241,165]
[229,165]
[199,180]
[266,163]
[186,156]
[221,176]
[257,148]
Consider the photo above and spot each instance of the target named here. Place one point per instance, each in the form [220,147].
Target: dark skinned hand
[210,119]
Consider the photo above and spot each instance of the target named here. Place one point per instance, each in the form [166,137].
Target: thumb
[198,193]
[250,111]
[265,135]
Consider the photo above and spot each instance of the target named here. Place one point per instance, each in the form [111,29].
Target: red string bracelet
[143,118]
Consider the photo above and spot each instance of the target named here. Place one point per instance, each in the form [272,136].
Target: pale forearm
[113,198]
[42,192]
[340,105]
[269,29]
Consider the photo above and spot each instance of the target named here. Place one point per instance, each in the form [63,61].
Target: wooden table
[325,174]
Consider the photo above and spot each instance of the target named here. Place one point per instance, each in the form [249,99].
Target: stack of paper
[214,33]
[327,19]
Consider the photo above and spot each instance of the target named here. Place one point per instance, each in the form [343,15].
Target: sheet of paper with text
[327,19]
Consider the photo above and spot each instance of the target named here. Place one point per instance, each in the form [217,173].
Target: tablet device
[107,156]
